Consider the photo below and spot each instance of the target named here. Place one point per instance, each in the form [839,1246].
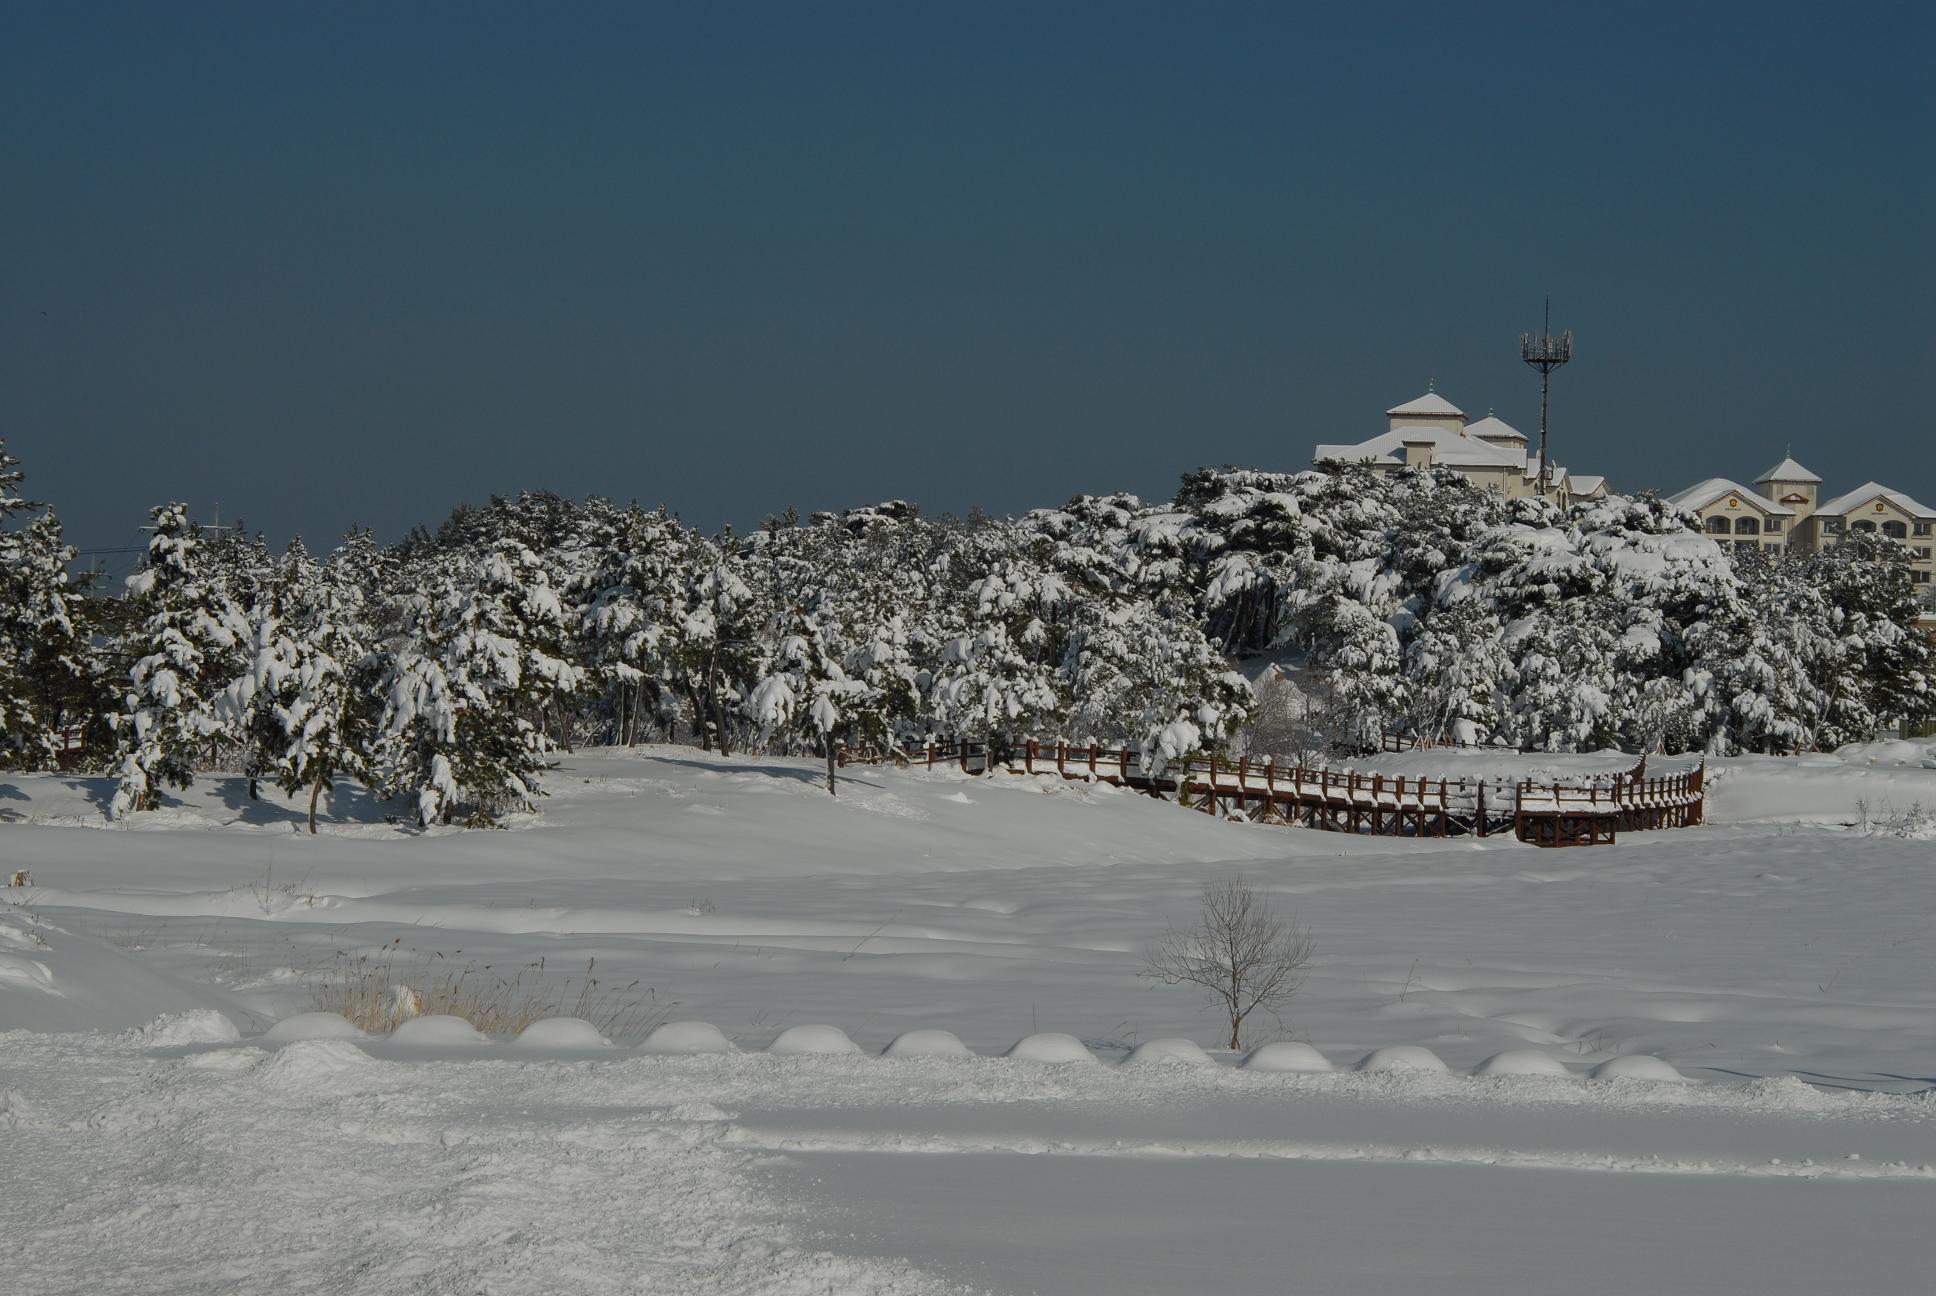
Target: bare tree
[1240,953]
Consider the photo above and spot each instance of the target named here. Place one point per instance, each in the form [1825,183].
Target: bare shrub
[375,992]
[1297,719]
[1241,954]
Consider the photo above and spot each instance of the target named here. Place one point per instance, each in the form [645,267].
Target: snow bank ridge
[1051,1048]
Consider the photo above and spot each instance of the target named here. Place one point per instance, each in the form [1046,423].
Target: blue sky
[357,263]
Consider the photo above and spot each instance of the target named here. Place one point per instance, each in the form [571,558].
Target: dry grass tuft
[380,989]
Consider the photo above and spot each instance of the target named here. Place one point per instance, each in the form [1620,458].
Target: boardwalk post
[1479,820]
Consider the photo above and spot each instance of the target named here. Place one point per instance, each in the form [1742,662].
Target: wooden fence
[1588,811]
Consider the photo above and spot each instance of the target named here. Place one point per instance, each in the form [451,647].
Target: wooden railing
[1590,810]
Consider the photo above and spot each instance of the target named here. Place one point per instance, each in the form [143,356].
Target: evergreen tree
[189,644]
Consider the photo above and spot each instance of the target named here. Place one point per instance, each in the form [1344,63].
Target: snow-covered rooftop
[1449,449]
[1429,403]
[1787,471]
[1702,494]
[1586,483]
[1870,491]
[1494,429]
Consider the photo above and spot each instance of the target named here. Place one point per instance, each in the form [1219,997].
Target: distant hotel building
[1783,511]
[1431,432]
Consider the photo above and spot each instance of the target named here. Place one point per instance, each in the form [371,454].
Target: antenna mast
[1545,353]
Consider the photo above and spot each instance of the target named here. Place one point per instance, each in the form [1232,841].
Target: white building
[1431,432]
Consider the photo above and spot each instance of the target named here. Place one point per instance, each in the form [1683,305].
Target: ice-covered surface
[154,1140]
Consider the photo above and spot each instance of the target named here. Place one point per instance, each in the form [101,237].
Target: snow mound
[304,1062]
[1635,1066]
[15,1110]
[171,1030]
[686,1037]
[560,1033]
[1887,751]
[1168,1052]
[1402,1057]
[796,1040]
[1050,1046]
[438,1029]
[312,1026]
[926,1043]
[1521,1062]
[1286,1055]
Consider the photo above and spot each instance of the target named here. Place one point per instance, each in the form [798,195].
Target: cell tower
[1545,353]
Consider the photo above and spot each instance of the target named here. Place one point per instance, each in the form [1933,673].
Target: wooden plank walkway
[1590,812]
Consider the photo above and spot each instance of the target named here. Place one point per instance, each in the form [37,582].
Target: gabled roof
[1787,471]
[1429,403]
[1449,449]
[1494,429]
[1701,494]
[1869,491]
[1585,484]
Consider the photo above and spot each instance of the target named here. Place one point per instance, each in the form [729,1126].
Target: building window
[1772,526]
[1895,530]
[1919,578]
[1862,524]
[1717,526]
[1831,526]
[1746,526]
[1922,528]
[1922,552]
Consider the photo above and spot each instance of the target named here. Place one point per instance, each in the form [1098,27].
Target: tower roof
[1491,428]
[1788,471]
[1429,403]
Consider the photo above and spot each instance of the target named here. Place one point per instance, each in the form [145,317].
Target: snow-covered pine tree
[311,717]
[808,695]
[714,652]
[628,583]
[49,675]
[468,689]
[188,643]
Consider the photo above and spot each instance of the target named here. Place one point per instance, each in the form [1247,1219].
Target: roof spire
[1431,384]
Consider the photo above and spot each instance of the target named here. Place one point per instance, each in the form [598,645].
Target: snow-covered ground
[154,1139]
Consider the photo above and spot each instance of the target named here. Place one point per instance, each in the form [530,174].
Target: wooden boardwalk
[1591,811]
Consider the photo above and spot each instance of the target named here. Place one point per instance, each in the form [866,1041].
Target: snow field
[176,1133]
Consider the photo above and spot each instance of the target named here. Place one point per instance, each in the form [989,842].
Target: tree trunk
[830,768]
[315,790]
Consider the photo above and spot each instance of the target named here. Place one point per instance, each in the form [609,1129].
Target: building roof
[1868,491]
[1449,449]
[1494,429]
[1701,494]
[1585,484]
[1429,403]
[1787,471]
